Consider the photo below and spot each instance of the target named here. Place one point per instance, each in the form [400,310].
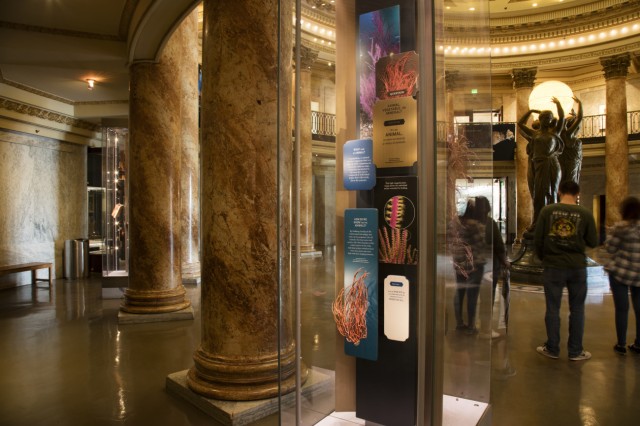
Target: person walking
[562,233]
[623,243]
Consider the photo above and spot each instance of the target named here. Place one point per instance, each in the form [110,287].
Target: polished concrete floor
[65,360]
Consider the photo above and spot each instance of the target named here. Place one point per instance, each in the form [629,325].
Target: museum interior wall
[44,201]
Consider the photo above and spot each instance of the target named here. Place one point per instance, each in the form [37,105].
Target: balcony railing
[323,126]
[593,129]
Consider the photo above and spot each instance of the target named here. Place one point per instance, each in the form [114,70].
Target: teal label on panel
[359,171]
[361,283]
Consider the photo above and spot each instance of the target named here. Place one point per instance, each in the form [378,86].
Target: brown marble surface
[246,172]
[155,281]
[616,149]
[190,171]
[306,161]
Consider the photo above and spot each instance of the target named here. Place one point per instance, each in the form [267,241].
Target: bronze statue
[571,157]
[545,145]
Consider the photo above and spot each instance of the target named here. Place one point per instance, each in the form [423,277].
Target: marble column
[523,79]
[616,147]
[247,348]
[190,173]
[307,56]
[155,280]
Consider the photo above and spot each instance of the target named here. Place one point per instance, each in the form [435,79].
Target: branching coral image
[379,37]
[394,248]
[398,79]
[350,309]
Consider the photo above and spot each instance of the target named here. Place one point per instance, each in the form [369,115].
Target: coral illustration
[398,80]
[350,309]
[394,248]
[375,44]
[394,212]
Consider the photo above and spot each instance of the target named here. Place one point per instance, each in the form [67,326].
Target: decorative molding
[45,114]
[307,56]
[510,62]
[317,16]
[59,32]
[523,77]
[111,102]
[615,66]
[35,91]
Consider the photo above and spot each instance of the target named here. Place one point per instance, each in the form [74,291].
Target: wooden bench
[33,267]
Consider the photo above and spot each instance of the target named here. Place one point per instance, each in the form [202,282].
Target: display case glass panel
[115,259]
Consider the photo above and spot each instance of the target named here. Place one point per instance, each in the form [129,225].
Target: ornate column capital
[307,57]
[523,77]
[451,80]
[616,65]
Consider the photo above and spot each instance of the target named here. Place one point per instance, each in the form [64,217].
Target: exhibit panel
[407,287]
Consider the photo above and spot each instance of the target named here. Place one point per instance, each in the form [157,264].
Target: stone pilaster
[451,83]
[190,174]
[616,139]
[155,280]
[247,348]
[307,57]
[523,80]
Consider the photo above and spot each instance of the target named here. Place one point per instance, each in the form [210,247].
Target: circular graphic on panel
[399,212]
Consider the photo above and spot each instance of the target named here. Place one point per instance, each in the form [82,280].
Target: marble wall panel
[43,200]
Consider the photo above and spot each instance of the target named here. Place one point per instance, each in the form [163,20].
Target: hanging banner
[359,320]
[359,173]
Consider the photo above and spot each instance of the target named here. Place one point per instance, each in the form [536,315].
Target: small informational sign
[396,308]
[361,256]
[359,171]
[395,132]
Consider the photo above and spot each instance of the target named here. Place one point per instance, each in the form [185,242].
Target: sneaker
[461,327]
[634,349]
[542,350]
[620,349]
[581,357]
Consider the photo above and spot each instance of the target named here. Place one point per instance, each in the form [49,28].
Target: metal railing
[323,126]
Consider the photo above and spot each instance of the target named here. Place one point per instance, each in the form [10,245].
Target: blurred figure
[495,248]
[469,248]
[623,244]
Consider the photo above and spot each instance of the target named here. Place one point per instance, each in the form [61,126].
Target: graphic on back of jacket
[564,227]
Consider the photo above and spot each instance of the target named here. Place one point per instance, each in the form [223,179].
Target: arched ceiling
[51,47]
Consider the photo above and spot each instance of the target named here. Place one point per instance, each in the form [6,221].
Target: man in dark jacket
[562,233]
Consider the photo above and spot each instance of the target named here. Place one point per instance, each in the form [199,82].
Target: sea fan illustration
[350,309]
[394,248]
[397,80]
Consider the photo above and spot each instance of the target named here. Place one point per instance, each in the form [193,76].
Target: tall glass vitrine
[375,321]
[115,258]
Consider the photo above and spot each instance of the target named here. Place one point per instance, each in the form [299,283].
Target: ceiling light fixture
[90,83]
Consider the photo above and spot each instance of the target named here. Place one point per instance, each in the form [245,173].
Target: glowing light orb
[541,95]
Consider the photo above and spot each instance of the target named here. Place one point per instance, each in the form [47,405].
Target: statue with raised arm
[545,145]
[571,157]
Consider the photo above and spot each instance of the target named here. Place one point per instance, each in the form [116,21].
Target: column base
[236,413]
[154,301]
[129,318]
[243,378]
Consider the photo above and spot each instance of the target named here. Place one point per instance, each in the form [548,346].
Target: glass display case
[115,259]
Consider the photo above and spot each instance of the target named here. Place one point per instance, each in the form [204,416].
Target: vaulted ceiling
[51,47]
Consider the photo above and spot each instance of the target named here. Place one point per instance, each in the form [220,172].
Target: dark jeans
[471,287]
[576,282]
[621,302]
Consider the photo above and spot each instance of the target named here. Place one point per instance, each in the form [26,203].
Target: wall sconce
[541,95]
[90,83]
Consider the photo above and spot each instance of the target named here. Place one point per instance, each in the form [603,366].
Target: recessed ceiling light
[472,9]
